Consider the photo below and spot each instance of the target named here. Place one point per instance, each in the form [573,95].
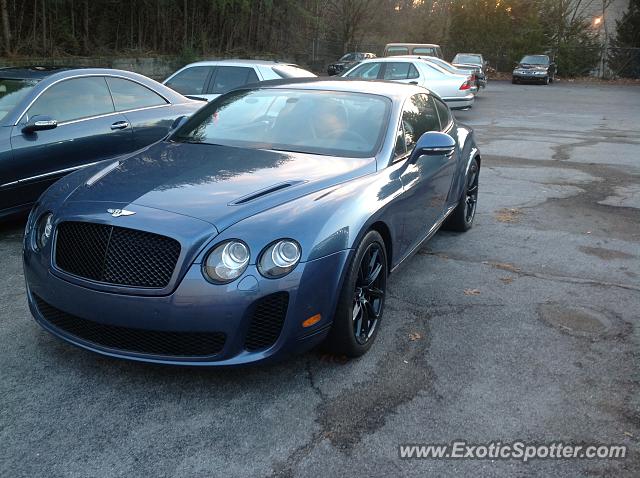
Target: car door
[445,85]
[426,180]
[191,81]
[149,114]
[226,78]
[402,72]
[88,130]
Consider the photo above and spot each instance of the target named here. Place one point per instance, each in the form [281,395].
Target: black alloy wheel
[461,219]
[368,296]
[361,303]
[471,199]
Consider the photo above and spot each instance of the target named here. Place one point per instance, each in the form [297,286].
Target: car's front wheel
[361,302]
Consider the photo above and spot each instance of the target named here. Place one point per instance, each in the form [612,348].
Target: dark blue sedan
[264,225]
[53,121]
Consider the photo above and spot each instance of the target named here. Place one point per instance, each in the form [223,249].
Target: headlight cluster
[279,258]
[228,260]
[43,230]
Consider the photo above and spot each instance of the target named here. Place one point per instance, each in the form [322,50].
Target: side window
[230,77]
[368,71]
[401,147]
[397,50]
[190,81]
[413,72]
[397,71]
[74,99]
[418,117]
[424,51]
[443,113]
[128,95]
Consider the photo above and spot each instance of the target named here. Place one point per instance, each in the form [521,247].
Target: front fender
[324,222]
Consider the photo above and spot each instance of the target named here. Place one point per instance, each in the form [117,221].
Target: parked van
[425,49]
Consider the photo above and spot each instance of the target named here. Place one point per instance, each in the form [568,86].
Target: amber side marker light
[312,320]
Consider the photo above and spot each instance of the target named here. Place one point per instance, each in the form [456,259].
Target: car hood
[218,184]
[469,66]
[526,66]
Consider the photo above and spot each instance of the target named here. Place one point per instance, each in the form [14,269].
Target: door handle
[120,125]
[413,82]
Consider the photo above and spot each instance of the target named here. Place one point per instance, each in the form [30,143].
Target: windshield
[535,60]
[444,65]
[11,92]
[472,59]
[291,71]
[318,122]
[350,57]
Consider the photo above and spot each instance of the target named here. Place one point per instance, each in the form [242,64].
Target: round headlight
[226,262]
[43,230]
[279,258]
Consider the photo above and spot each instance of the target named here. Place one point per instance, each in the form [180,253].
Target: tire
[546,80]
[552,79]
[514,81]
[461,219]
[360,307]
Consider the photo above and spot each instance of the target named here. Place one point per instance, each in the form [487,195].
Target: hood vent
[264,192]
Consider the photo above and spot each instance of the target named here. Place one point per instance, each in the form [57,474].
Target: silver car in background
[453,88]
[451,69]
[209,79]
[476,62]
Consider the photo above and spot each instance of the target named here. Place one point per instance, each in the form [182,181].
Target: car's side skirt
[429,235]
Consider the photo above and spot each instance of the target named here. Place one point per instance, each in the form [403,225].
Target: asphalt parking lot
[525,328]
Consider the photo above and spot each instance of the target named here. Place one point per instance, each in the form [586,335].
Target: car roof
[474,54]
[34,72]
[239,61]
[413,44]
[390,89]
[395,59]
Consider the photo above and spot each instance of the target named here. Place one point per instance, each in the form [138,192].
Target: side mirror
[179,121]
[433,143]
[39,123]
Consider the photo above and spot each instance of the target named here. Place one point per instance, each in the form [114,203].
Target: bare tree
[4,11]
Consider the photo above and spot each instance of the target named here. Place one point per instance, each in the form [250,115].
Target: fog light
[312,321]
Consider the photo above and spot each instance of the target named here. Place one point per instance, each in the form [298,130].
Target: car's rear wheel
[514,81]
[461,219]
[361,303]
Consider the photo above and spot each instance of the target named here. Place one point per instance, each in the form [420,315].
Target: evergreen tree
[624,57]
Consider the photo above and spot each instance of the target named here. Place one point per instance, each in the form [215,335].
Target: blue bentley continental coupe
[265,224]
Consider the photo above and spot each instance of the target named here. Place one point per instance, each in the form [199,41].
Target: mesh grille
[267,320]
[116,255]
[153,342]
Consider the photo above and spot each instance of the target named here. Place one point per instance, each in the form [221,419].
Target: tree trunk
[85,39]
[5,26]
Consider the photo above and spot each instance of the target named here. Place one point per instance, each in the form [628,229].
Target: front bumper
[335,70]
[195,306]
[460,103]
[529,76]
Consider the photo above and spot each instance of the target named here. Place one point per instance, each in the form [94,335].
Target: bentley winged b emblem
[120,212]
